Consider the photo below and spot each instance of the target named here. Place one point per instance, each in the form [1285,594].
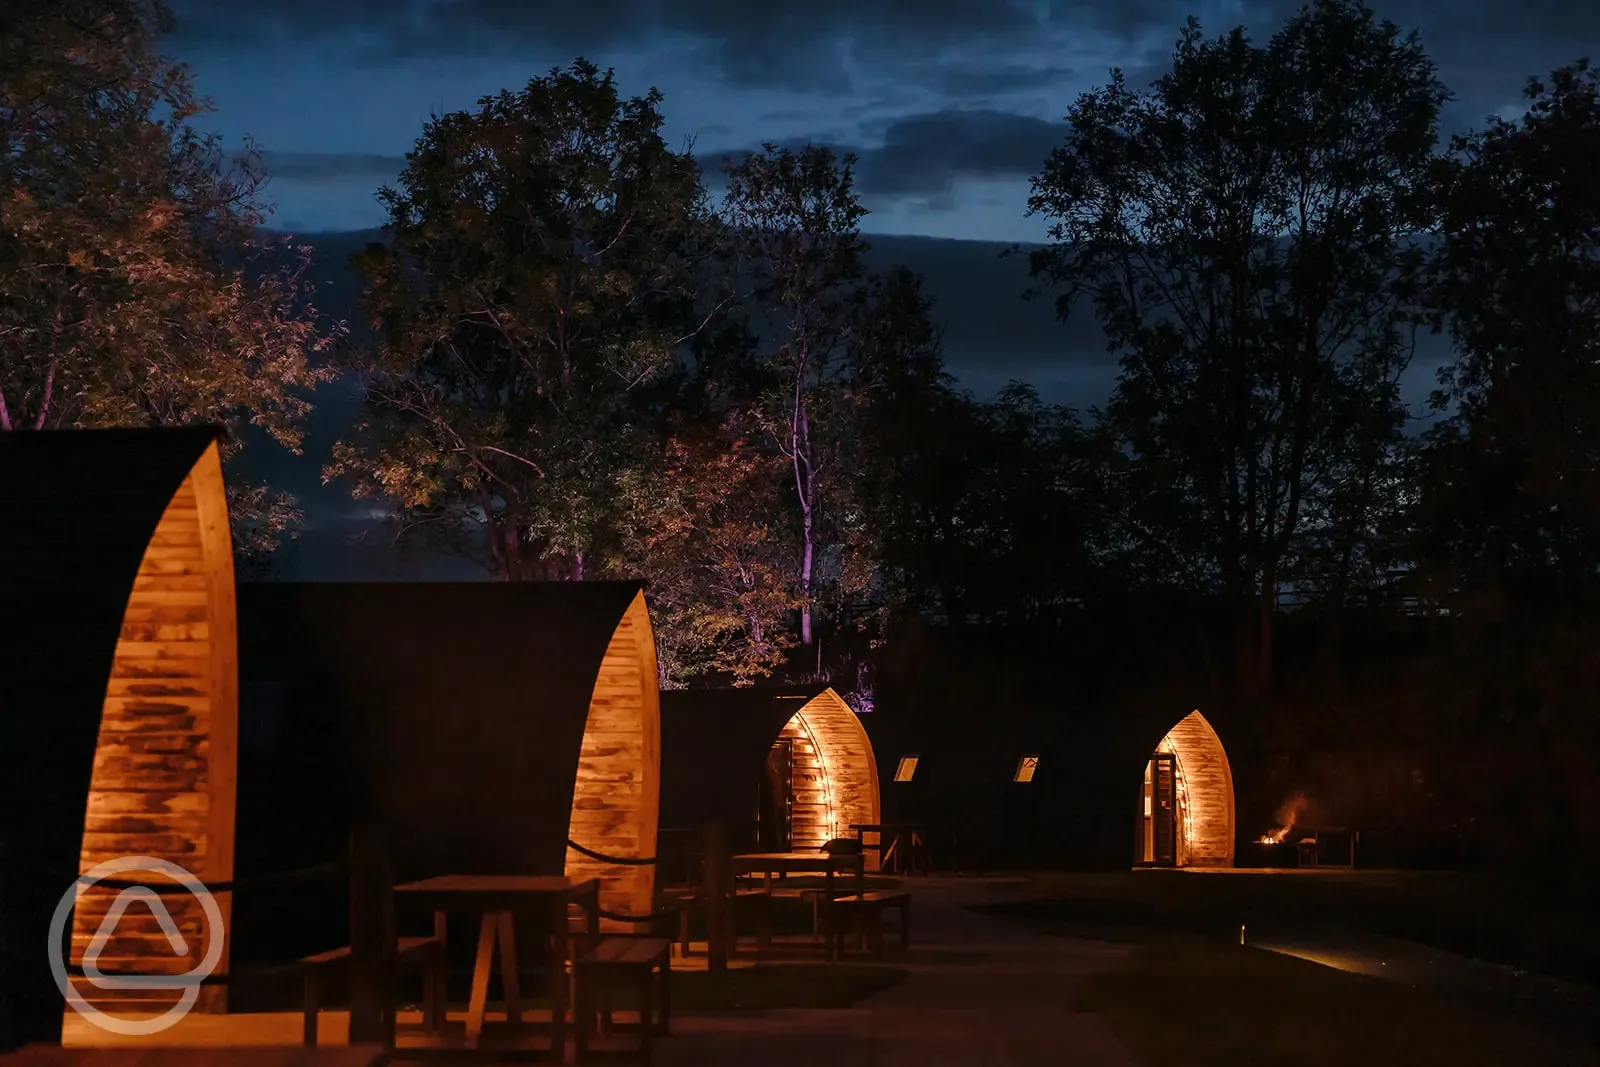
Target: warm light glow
[1289,813]
[827,774]
[1025,769]
[907,767]
[842,774]
[1202,795]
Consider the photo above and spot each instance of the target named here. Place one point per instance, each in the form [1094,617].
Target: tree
[135,289]
[1245,233]
[795,214]
[1511,495]
[989,511]
[699,524]
[543,270]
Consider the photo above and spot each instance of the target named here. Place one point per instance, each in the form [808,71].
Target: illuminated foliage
[700,525]
[133,286]
[543,269]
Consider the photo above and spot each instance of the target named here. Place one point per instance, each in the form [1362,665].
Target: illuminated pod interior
[833,774]
[616,797]
[164,776]
[1200,792]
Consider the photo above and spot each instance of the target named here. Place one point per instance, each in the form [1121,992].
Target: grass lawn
[1493,920]
[1190,1002]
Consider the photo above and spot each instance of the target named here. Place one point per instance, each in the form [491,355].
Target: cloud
[332,166]
[925,156]
[928,154]
[965,50]
[980,46]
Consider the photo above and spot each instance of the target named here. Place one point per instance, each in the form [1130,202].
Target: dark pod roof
[714,746]
[452,712]
[77,511]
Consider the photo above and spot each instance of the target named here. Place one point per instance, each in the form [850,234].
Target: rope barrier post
[719,875]
[372,938]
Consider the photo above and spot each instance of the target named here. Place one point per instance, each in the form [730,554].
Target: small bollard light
[1241,933]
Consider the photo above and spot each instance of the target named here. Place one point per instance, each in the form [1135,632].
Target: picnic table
[495,900]
[904,845]
[825,863]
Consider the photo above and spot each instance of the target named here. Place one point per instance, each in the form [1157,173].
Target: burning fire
[1288,813]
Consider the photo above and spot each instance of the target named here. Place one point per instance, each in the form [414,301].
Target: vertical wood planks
[616,797]
[163,781]
[1208,815]
[835,773]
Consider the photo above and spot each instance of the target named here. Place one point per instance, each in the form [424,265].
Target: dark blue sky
[951,104]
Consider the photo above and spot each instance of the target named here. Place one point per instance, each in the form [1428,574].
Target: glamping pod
[786,769]
[117,701]
[484,725]
[975,791]
[1047,788]
[1185,816]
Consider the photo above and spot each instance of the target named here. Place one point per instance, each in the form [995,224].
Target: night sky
[950,104]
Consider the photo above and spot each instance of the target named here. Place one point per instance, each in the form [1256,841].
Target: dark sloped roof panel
[77,511]
[453,713]
[714,746]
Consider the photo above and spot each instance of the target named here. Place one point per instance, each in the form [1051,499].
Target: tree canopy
[134,285]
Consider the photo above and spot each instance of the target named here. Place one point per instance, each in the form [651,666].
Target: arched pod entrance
[784,768]
[1186,806]
[833,775]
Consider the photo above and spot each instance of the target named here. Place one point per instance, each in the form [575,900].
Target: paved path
[1565,1007]
[982,993]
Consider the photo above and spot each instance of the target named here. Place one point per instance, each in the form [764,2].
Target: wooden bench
[816,897]
[681,901]
[412,951]
[867,909]
[761,901]
[642,962]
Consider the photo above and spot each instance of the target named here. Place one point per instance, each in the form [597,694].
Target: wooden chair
[865,912]
[645,963]
[426,953]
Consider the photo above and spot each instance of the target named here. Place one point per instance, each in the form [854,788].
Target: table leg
[664,1000]
[509,984]
[438,992]
[481,967]
[557,966]
[647,1023]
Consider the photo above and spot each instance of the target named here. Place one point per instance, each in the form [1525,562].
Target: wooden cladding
[163,782]
[616,797]
[1205,793]
[835,774]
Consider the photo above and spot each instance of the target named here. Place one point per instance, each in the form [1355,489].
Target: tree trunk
[806,487]
[1268,613]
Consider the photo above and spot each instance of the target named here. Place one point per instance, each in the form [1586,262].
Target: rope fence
[313,873]
[626,861]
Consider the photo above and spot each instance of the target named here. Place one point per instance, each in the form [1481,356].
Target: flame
[1288,813]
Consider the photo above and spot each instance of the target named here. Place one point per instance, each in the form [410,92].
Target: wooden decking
[54,1056]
